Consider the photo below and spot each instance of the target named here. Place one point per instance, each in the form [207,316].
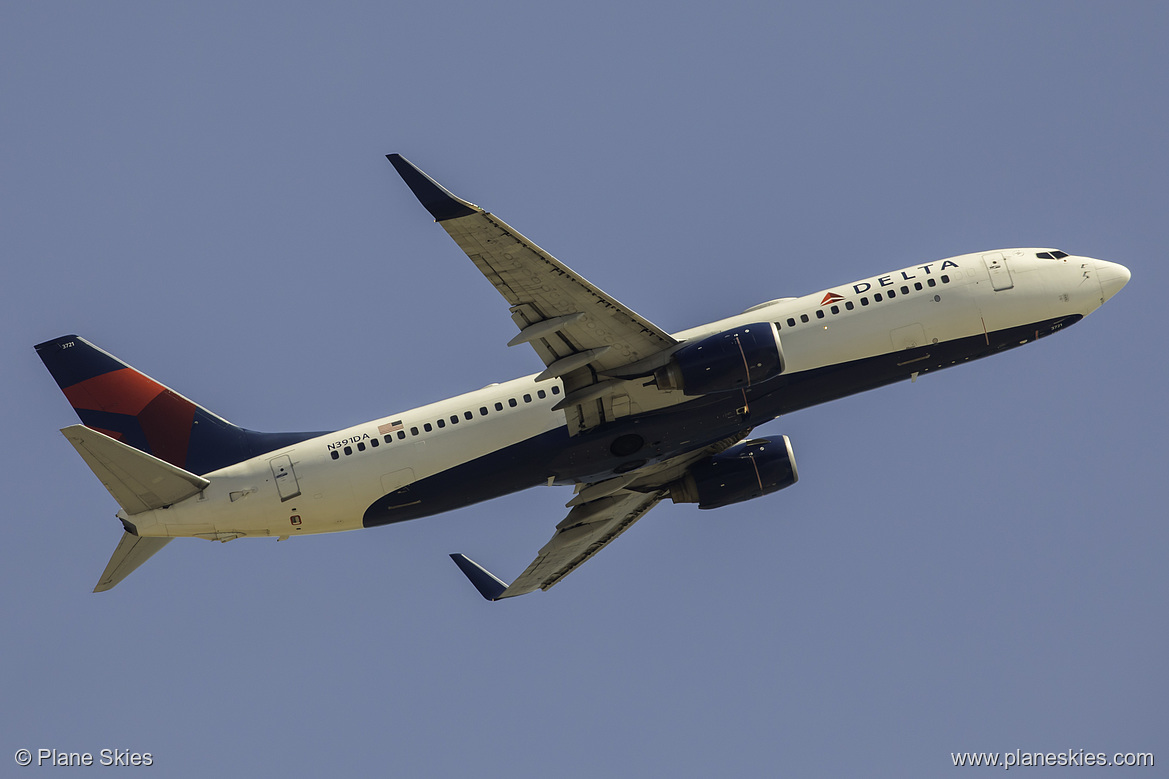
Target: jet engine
[747,470]
[730,360]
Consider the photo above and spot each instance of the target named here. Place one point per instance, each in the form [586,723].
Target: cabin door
[285,477]
[1000,275]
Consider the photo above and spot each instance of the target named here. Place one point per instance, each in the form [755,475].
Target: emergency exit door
[285,477]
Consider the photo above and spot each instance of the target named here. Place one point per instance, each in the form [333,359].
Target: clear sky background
[975,562]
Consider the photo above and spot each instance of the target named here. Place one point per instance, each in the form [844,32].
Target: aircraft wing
[600,512]
[577,330]
[586,530]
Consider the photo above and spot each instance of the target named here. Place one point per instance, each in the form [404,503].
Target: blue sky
[974,562]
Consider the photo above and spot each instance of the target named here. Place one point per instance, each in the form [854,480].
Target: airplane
[626,413]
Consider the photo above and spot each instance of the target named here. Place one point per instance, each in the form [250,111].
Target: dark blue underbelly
[631,442]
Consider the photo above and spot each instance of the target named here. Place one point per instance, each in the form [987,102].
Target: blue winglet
[488,584]
[441,204]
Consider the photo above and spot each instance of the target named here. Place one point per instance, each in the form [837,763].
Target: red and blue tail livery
[113,398]
[623,412]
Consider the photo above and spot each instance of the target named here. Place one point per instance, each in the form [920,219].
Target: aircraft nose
[1112,276]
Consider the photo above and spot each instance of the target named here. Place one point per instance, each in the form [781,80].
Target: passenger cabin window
[541,394]
[848,304]
[483,411]
[499,407]
[401,434]
[932,282]
[556,390]
[361,446]
[512,402]
[819,313]
[804,318]
[335,454]
[791,322]
[427,427]
[467,415]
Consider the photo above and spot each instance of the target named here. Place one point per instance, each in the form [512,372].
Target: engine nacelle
[730,360]
[747,470]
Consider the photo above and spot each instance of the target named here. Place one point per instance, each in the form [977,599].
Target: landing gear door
[1000,275]
[285,477]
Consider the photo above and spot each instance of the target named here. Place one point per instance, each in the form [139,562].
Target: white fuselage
[327,483]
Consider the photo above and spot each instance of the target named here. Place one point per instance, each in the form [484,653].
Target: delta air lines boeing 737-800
[626,413]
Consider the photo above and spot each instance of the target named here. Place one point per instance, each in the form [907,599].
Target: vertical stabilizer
[130,407]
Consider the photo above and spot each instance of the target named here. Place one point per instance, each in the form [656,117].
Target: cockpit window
[1055,254]
[1044,255]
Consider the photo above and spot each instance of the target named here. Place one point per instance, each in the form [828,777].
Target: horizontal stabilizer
[132,551]
[488,584]
[138,481]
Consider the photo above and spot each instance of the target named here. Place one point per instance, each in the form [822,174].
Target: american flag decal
[392,427]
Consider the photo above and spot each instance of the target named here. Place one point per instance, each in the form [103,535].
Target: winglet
[441,204]
[488,584]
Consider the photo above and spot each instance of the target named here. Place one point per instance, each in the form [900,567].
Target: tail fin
[139,482]
[111,397]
